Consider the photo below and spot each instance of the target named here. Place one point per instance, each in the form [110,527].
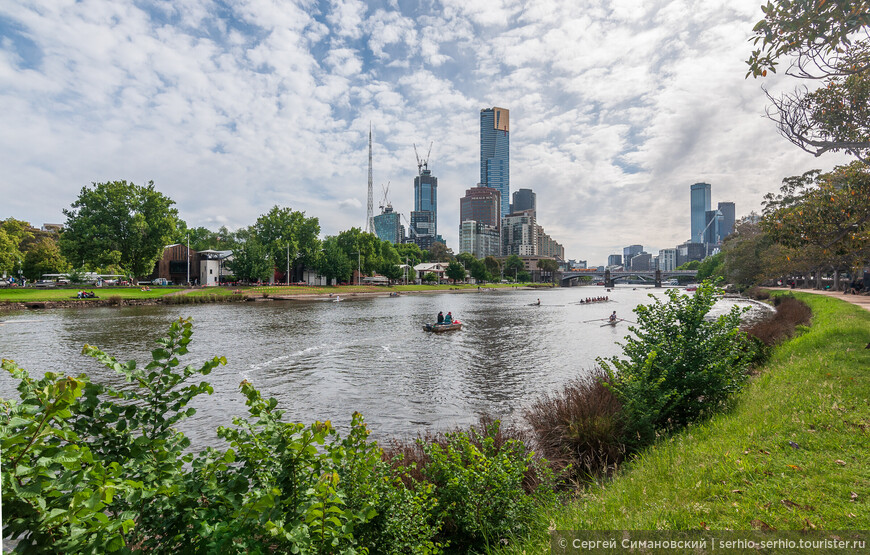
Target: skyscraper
[700,204]
[727,210]
[494,153]
[424,217]
[388,227]
[481,204]
[524,199]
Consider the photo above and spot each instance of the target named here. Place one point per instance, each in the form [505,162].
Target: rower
[613,316]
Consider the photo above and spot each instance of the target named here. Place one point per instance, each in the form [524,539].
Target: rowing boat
[439,328]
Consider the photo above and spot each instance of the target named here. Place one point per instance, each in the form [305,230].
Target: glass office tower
[494,153]
[700,205]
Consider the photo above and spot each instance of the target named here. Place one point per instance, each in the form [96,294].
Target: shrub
[485,479]
[580,430]
[788,314]
[479,487]
[679,366]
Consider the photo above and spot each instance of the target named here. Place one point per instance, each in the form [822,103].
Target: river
[323,360]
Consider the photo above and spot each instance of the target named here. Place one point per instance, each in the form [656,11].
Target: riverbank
[24,299]
[791,455]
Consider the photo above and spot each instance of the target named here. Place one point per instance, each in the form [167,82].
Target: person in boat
[613,316]
[440,317]
[448,319]
[538,303]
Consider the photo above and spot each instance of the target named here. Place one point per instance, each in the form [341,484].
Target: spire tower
[370,217]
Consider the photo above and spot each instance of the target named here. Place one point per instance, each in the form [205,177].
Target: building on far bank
[495,153]
[667,260]
[699,205]
[479,239]
[388,226]
[519,234]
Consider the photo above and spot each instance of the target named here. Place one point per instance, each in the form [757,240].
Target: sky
[232,107]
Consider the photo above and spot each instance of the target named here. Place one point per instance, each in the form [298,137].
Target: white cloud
[616,108]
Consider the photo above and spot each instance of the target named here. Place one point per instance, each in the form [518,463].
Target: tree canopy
[119,224]
[826,43]
[826,212]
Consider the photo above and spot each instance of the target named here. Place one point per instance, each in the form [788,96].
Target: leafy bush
[479,486]
[485,481]
[580,430]
[93,468]
[679,366]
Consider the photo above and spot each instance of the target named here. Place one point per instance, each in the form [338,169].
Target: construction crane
[410,227]
[384,203]
[423,163]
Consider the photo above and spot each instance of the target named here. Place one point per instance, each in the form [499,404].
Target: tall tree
[10,256]
[44,258]
[334,263]
[826,211]
[493,266]
[456,271]
[548,266]
[118,223]
[513,265]
[439,252]
[411,252]
[283,231]
[825,42]
[251,261]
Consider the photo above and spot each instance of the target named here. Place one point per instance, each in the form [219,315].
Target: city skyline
[230,109]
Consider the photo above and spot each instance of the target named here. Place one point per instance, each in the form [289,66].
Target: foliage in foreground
[679,366]
[791,455]
[94,468]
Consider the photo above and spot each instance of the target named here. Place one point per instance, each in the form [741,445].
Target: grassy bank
[13,295]
[792,453]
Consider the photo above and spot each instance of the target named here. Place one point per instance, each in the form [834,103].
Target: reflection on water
[325,360]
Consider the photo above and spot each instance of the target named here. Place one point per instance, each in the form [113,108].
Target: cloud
[616,108]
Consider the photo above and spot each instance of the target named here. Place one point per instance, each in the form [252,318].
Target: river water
[323,360]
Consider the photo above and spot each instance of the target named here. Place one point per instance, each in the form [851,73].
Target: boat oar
[595,320]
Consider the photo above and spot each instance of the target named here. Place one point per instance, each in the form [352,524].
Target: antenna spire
[370,217]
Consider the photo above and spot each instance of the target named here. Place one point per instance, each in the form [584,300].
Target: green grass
[52,294]
[740,466]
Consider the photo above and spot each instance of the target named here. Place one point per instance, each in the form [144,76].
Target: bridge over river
[611,277]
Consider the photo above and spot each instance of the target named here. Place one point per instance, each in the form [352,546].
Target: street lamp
[288,264]
[358,268]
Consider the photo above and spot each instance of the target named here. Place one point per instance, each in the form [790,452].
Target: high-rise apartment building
[519,234]
[388,227]
[424,217]
[479,222]
[479,239]
[547,246]
[667,260]
[481,204]
[523,199]
[727,211]
[495,153]
[699,204]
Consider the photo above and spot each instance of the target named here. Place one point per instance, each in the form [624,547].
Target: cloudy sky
[233,106]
